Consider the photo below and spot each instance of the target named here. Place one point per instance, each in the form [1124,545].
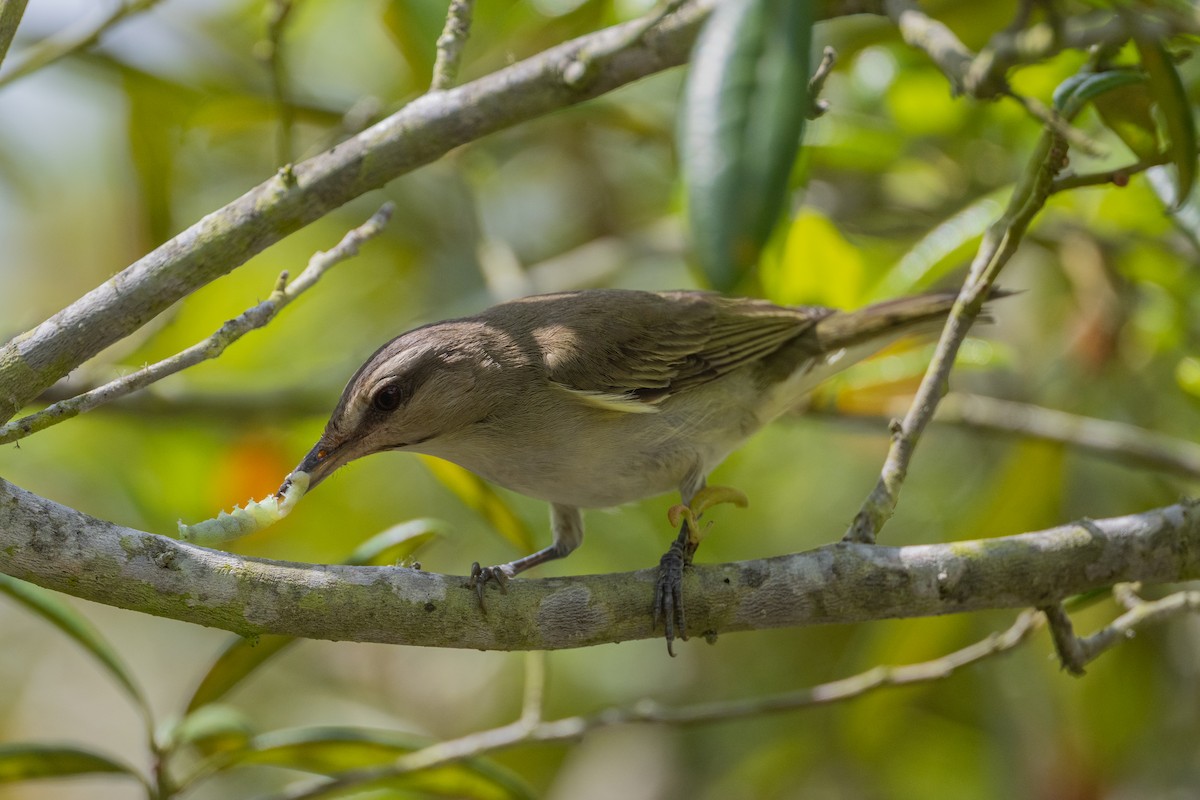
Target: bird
[600,397]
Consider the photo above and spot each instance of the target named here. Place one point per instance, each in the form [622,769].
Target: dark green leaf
[237,661]
[51,608]
[1077,91]
[1172,100]
[745,105]
[20,762]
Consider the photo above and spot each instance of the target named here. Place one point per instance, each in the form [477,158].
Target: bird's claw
[668,593]
[482,576]
[668,589]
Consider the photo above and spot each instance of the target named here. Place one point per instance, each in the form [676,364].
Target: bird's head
[425,385]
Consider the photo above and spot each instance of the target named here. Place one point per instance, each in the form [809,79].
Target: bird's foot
[482,576]
[668,589]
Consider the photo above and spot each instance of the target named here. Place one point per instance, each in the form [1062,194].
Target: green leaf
[240,658]
[20,762]
[397,543]
[477,495]
[333,750]
[943,249]
[51,608]
[1080,89]
[243,656]
[1128,111]
[743,116]
[213,728]
[1171,98]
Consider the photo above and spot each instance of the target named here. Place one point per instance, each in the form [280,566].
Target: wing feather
[628,350]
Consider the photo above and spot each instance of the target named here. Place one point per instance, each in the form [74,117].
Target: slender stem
[999,243]
[11,12]
[209,348]
[451,43]
[71,40]
[571,728]
[272,54]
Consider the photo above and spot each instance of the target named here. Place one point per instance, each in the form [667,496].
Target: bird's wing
[628,352]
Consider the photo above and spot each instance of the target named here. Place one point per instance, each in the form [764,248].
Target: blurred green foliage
[111,152]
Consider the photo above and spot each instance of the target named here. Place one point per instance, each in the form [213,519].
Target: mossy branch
[65,550]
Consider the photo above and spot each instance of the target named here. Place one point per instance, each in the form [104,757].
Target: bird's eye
[388,398]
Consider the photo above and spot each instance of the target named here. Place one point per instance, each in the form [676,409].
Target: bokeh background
[110,152]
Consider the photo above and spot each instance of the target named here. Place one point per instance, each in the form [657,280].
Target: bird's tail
[888,321]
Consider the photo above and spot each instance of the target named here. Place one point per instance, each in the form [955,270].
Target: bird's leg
[668,590]
[567,524]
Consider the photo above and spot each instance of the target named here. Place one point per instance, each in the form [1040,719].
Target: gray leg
[668,590]
[567,524]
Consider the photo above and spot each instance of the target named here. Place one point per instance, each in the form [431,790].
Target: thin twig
[816,106]
[1066,643]
[525,731]
[1119,176]
[1057,123]
[1114,440]
[581,68]
[999,243]
[11,12]
[68,41]
[209,348]
[271,52]
[1075,652]
[451,43]
[922,31]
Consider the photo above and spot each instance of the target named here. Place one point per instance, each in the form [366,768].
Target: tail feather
[889,320]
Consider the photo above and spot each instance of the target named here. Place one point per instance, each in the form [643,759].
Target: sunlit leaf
[213,728]
[20,762]
[477,495]
[1171,97]
[745,105]
[332,750]
[817,266]
[50,607]
[240,658]
[397,542]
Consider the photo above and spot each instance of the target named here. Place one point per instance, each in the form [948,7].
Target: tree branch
[417,134]
[451,43]
[998,245]
[71,40]
[65,550]
[209,348]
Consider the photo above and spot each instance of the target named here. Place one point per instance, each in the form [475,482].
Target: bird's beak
[320,463]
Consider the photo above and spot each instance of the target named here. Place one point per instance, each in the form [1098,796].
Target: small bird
[595,398]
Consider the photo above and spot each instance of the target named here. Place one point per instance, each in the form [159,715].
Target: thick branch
[419,133]
[65,550]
